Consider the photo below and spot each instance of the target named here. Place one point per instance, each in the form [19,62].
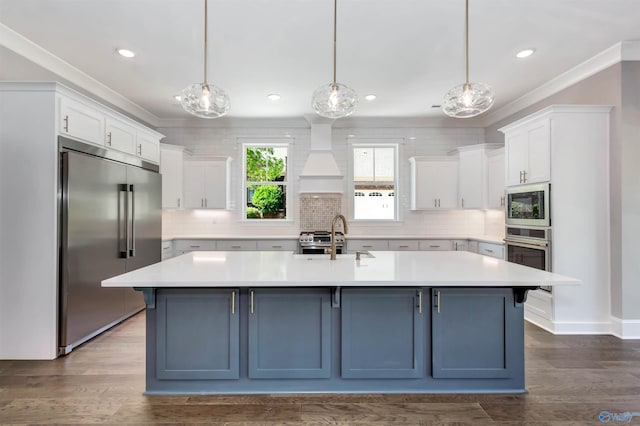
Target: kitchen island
[274,322]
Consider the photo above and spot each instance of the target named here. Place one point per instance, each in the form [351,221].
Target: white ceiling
[408,52]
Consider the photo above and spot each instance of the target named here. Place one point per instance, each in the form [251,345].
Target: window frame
[374,143]
[267,143]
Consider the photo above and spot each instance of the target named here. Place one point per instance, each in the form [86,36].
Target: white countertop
[485,238]
[286,269]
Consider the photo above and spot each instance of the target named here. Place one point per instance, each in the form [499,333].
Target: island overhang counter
[279,322]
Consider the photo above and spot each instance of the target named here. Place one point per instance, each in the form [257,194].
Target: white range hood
[320,173]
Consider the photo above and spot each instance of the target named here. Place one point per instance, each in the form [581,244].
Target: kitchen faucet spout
[333,233]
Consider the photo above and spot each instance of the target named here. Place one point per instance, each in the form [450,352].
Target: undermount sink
[327,257]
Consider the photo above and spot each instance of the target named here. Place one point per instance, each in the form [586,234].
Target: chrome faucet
[333,233]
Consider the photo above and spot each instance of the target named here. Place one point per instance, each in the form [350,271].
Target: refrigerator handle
[132,247]
[123,221]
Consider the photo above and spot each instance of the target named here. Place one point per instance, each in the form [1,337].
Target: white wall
[227,142]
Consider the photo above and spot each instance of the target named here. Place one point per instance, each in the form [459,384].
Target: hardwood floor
[571,379]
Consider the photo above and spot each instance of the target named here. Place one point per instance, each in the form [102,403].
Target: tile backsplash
[317,211]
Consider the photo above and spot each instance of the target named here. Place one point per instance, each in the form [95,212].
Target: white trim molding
[625,329]
[38,55]
[622,51]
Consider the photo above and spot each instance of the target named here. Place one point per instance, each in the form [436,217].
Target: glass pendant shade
[334,100]
[205,100]
[467,100]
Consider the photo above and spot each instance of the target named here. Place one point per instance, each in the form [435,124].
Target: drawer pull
[367,246]
[166,248]
[434,246]
[194,246]
[276,246]
[236,247]
[403,246]
[233,303]
[488,250]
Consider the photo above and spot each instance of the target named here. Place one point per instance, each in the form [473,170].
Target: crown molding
[38,55]
[622,51]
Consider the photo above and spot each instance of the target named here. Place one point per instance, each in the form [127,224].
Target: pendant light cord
[205,41]
[335,25]
[466,43]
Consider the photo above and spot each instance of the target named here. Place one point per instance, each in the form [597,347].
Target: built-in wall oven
[528,205]
[530,247]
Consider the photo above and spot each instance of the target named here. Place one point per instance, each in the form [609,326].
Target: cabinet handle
[462,199]
[438,202]
[178,202]
[367,246]
[66,123]
[524,176]
[194,246]
[140,149]
[251,302]
[201,202]
[420,301]
[236,247]
[109,138]
[206,202]
[166,248]
[434,246]
[403,246]
[488,250]
[435,202]
[276,246]
[438,301]
[233,303]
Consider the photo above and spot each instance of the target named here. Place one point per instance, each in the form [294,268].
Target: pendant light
[468,99]
[205,100]
[334,100]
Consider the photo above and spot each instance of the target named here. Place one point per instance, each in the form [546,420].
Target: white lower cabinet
[277,245]
[187,246]
[367,245]
[167,250]
[473,246]
[490,249]
[400,245]
[231,245]
[435,245]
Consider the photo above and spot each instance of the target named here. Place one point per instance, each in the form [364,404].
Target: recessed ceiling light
[370,97]
[273,96]
[177,98]
[525,53]
[126,53]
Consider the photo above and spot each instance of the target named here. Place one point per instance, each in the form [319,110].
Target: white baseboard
[625,329]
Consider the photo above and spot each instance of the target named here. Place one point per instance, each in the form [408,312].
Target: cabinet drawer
[230,245]
[277,245]
[194,245]
[166,250]
[367,245]
[493,250]
[399,245]
[460,245]
[435,245]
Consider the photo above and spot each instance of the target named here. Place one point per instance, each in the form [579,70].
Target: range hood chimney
[320,173]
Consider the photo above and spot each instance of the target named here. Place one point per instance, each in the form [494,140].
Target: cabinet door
[197,334]
[193,185]
[471,178]
[539,153]
[436,245]
[382,333]
[460,245]
[493,250]
[120,136]
[289,333]
[367,245]
[231,245]
[171,169]
[471,332]
[80,121]
[400,245]
[215,184]
[495,180]
[517,152]
[277,245]
[434,184]
[148,147]
[446,184]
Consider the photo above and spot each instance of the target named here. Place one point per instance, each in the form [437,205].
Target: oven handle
[526,243]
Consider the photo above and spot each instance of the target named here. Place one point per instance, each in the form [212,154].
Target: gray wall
[618,86]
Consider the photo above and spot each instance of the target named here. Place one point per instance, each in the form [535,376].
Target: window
[374,182]
[265,181]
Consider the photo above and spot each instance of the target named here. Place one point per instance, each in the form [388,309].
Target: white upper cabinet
[172,169]
[120,136]
[434,183]
[528,149]
[206,184]
[471,178]
[81,121]
[495,179]
[84,119]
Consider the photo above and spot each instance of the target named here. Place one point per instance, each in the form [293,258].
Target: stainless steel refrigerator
[110,223]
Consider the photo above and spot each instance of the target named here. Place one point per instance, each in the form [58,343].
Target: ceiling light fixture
[126,53]
[468,99]
[334,100]
[525,53]
[273,97]
[202,99]
[370,97]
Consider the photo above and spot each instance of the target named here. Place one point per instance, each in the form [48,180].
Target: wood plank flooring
[571,379]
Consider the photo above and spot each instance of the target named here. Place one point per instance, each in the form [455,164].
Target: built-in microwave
[528,205]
